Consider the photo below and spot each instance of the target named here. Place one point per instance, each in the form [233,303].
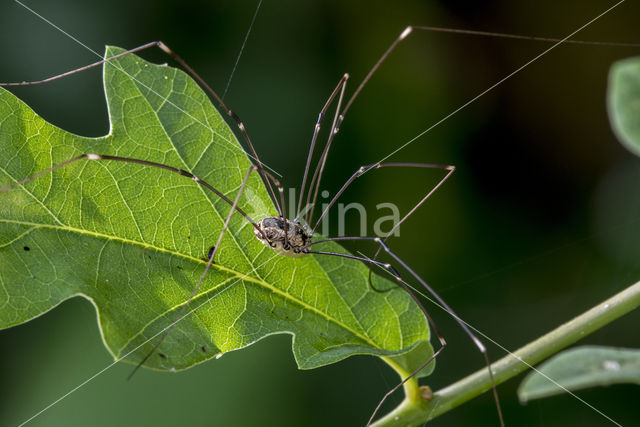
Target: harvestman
[293,237]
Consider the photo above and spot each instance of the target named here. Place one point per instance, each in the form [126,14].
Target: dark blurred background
[540,222]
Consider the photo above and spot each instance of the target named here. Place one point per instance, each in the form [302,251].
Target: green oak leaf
[582,367]
[134,239]
[623,99]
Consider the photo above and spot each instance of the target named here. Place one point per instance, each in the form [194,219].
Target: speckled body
[272,234]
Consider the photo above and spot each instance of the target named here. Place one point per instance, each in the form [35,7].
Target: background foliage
[538,224]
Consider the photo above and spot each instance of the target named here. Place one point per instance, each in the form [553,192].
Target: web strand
[244,43]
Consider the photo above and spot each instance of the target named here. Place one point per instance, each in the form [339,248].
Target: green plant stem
[413,413]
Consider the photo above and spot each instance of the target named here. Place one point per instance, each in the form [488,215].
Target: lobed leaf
[134,240]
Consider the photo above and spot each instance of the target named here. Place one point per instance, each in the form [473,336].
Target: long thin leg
[339,87]
[196,76]
[433,293]
[161,166]
[182,311]
[166,167]
[450,169]
[140,162]
[519,37]
[317,175]
[335,128]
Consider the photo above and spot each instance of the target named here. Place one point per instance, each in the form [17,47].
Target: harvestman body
[293,237]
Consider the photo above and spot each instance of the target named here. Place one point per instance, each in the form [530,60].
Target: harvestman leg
[340,87]
[317,174]
[340,118]
[449,168]
[363,169]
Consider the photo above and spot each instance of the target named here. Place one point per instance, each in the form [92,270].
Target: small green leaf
[624,102]
[134,239]
[582,367]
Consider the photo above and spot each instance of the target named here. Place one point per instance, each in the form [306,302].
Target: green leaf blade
[580,368]
[624,102]
[134,239]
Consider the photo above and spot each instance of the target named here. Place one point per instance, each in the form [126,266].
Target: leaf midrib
[241,276]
